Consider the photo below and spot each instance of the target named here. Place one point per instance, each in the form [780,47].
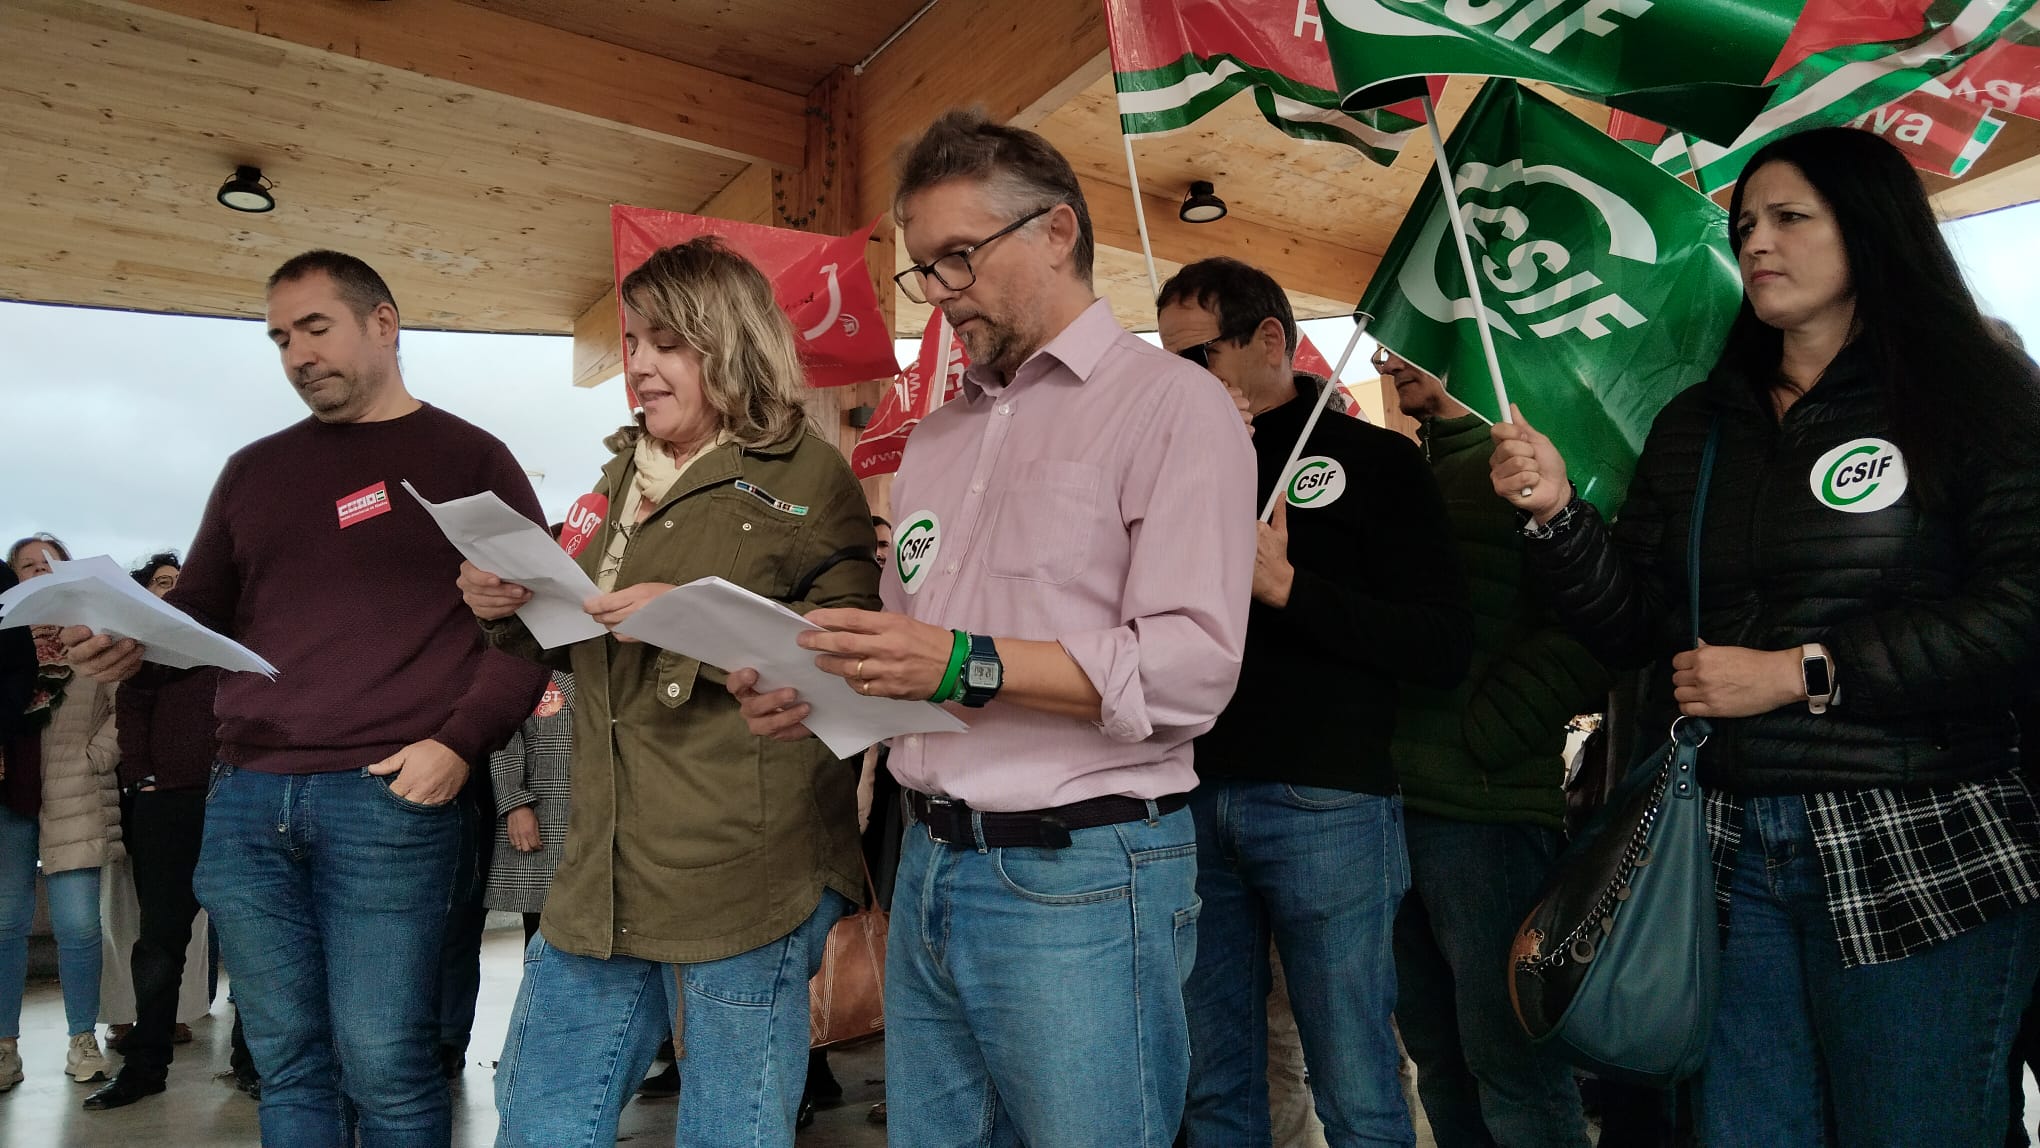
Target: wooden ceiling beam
[1300,263]
[1018,61]
[2006,176]
[618,87]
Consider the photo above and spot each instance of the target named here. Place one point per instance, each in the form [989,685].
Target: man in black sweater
[1357,588]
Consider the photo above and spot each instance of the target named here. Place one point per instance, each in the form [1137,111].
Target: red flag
[1312,361]
[819,280]
[935,378]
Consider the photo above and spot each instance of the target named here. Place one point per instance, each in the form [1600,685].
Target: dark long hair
[1954,387]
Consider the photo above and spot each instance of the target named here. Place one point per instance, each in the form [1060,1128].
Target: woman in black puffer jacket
[1872,532]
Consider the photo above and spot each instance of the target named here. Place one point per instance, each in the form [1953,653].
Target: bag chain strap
[1579,944]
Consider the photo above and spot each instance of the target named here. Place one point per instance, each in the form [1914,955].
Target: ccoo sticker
[1859,476]
[1316,481]
[915,545]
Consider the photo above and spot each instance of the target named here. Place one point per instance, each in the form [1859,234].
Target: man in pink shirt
[1073,561]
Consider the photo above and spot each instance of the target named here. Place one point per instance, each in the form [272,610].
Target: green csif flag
[1608,284]
[1696,65]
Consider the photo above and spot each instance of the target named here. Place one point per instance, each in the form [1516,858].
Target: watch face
[982,675]
[1818,683]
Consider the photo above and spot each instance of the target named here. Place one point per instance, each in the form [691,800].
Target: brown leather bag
[846,999]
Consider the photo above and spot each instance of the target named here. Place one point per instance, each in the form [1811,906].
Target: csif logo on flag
[1530,268]
[1544,24]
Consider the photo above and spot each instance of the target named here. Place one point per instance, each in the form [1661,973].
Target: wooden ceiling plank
[579,75]
[1017,61]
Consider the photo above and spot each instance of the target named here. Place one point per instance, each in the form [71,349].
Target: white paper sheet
[724,625]
[514,548]
[97,592]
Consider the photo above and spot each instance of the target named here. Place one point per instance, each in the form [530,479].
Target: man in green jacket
[1482,776]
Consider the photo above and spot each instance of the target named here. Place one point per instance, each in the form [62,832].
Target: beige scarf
[656,473]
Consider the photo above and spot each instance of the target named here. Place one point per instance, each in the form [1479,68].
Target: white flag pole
[1310,424]
[1487,337]
[1140,218]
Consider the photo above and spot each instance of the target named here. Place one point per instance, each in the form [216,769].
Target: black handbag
[1617,967]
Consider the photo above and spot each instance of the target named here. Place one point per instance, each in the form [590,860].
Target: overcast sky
[116,423]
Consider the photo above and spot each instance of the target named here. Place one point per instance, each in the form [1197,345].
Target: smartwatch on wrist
[983,672]
[1817,675]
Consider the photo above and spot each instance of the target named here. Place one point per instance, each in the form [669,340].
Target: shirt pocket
[673,678]
[760,545]
[1043,529]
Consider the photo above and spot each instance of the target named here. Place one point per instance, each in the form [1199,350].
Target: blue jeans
[1322,871]
[584,1030]
[330,895]
[1897,1055]
[1035,995]
[1483,1083]
[74,917]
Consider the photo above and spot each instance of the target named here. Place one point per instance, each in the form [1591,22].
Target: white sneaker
[10,1064]
[85,1062]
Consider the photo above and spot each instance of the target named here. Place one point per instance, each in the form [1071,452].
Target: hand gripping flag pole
[1487,335]
[1310,424]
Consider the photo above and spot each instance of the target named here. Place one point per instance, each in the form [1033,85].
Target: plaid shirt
[1906,869]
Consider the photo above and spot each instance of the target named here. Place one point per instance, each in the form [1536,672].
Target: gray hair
[1018,167]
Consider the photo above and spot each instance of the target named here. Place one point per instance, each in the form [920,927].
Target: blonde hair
[718,303]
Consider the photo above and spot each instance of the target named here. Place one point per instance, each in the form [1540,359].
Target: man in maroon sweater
[331,831]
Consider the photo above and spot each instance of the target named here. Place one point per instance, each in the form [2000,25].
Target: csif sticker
[1316,481]
[1858,477]
[915,545]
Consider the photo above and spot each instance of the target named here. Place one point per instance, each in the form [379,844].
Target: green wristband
[959,653]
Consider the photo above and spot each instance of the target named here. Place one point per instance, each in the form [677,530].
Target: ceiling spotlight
[246,190]
[1202,205]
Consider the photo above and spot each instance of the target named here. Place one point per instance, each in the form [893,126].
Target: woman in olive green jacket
[702,863]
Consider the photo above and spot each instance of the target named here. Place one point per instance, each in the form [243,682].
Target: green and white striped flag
[1839,85]
[1697,65]
[1175,60]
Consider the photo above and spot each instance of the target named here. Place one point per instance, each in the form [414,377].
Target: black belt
[949,821]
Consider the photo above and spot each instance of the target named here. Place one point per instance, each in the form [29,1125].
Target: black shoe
[805,1116]
[122,1091]
[661,1086]
[822,1089]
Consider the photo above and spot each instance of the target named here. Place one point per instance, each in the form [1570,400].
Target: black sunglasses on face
[1200,353]
[954,270]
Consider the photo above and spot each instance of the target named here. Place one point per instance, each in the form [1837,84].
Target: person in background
[1075,571]
[1869,594]
[62,805]
[702,865]
[1483,772]
[168,742]
[331,837]
[1357,594]
[884,531]
[531,779]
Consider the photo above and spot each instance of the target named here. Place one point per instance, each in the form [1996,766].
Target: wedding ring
[859,671]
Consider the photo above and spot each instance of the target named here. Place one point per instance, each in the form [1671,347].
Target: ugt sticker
[364,504]
[1316,481]
[584,518]
[1859,476]
[915,546]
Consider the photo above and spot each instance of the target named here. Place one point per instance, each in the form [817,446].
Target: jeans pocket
[1325,797]
[1186,938]
[382,785]
[1078,875]
[220,772]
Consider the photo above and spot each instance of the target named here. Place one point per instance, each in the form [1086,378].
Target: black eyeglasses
[1200,353]
[953,270]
